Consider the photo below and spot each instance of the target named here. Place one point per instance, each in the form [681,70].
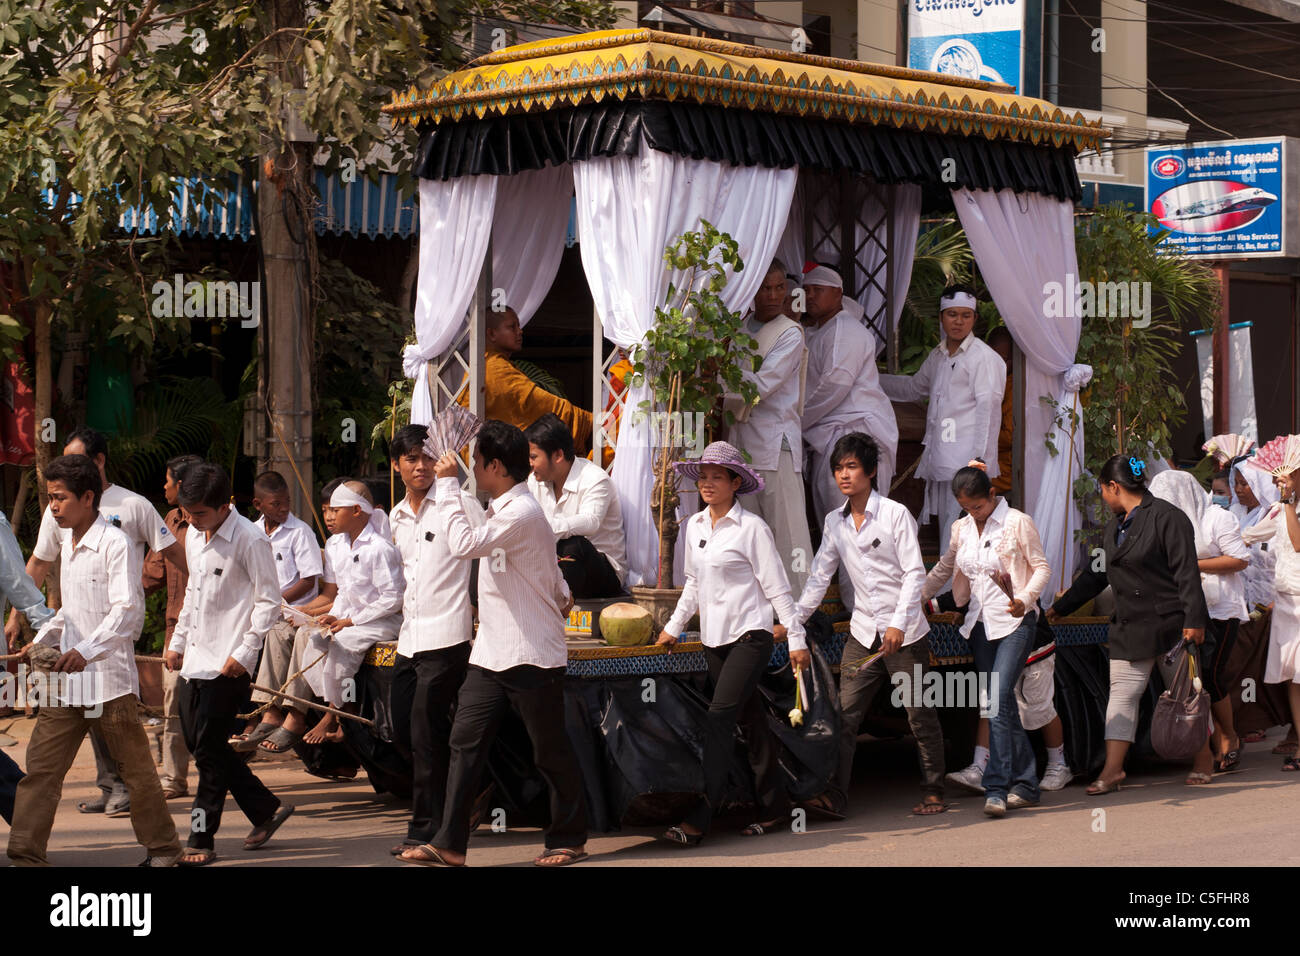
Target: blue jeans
[1011,757]
[9,777]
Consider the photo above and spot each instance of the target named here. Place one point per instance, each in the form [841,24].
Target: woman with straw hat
[732,562]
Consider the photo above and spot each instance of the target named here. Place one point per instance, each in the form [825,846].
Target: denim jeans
[1011,757]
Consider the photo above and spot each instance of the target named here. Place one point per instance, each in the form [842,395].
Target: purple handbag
[1181,723]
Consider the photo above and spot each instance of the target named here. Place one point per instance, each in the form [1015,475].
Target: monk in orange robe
[510,395]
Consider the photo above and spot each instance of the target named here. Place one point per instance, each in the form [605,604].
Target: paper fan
[1227,447]
[1279,457]
[451,430]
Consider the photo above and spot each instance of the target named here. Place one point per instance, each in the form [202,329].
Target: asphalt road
[1241,818]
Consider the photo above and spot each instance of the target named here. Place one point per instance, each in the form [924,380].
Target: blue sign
[1219,200]
[976,39]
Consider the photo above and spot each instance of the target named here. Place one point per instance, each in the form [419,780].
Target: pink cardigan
[1021,554]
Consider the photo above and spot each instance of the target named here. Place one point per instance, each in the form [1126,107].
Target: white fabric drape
[905,212]
[1022,242]
[455,223]
[790,250]
[528,228]
[629,208]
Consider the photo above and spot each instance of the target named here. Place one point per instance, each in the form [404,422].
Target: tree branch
[131,35]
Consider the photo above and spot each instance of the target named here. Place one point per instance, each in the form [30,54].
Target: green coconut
[626,625]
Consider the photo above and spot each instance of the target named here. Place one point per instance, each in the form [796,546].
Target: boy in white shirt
[96,630]
[433,645]
[366,611]
[581,504]
[873,538]
[964,379]
[231,601]
[519,658]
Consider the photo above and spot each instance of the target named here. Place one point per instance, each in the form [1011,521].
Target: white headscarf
[1261,483]
[1185,493]
[345,497]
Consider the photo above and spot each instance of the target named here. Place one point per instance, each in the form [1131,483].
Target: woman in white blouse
[1221,557]
[733,565]
[1280,527]
[993,538]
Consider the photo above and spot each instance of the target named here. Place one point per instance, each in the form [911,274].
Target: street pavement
[1242,818]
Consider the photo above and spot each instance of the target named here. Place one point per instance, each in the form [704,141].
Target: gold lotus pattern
[645,64]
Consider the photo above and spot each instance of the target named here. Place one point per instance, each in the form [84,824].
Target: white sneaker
[971,779]
[994,807]
[1016,802]
[1055,777]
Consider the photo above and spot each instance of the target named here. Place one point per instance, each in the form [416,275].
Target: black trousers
[734,670]
[208,709]
[424,690]
[537,695]
[10,774]
[587,572]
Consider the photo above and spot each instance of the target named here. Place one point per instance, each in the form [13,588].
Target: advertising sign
[977,39]
[1222,200]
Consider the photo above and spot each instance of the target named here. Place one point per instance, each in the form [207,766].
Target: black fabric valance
[504,145]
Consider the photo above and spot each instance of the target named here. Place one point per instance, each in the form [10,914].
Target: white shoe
[971,779]
[1016,802]
[994,807]
[1056,777]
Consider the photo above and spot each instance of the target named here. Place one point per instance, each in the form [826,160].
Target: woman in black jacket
[1150,564]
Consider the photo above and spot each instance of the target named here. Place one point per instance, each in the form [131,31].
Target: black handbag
[1181,722]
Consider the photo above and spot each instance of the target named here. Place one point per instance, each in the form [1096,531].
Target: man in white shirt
[231,600]
[437,624]
[844,393]
[770,431]
[95,631]
[581,504]
[149,532]
[519,658]
[964,380]
[297,552]
[873,538]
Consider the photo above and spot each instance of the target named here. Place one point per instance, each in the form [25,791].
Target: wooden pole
[311,504]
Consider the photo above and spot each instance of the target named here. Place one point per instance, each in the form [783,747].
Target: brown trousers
[55,741]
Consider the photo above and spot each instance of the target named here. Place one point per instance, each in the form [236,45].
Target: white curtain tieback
[414,358]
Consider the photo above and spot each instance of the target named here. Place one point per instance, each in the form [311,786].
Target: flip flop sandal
[1291,763]
[243,743]
[1284,748]
[280,741]
[681,837]
[171,793]
[203,858]
[401,848]
[825,810]
[924,809]
[569,857]
[761,829]
[1198,779]
[1230,762]
[93,806]
[267,830]
[428,855]
[1254,737]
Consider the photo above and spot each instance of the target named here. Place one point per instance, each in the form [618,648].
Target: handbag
[1181,723]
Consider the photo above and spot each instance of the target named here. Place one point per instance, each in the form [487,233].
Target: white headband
[821,275]
[957,300]
[345,497]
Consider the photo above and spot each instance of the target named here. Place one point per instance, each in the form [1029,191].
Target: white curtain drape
[906,215]
[455,223]
[1024,245]
[528,229]
[790,250]
[629,208]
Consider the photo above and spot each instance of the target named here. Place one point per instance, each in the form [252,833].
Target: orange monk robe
[511,396]
[1002,483]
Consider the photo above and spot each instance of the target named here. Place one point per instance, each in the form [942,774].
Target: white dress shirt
[883,560]
[231,601]
[101,616]
[588,507]
[297,555]
[735,567]
[844,392]
[436,612]
[369,574]
[520,587]
[124,509]
[965,393]
[1228,591]
[976,558]
[775,419]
